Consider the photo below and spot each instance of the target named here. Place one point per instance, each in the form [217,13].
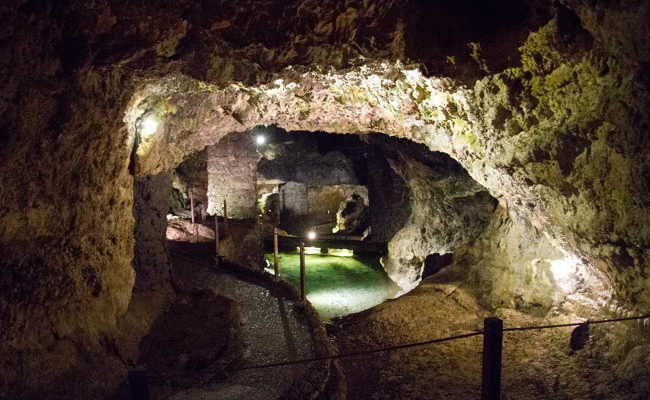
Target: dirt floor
[538,364]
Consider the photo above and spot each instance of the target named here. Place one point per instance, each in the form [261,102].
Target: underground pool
[337,285]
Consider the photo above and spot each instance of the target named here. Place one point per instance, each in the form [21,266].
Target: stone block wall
[307,206]
[232,174]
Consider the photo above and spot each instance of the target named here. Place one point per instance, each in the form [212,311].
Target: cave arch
[559,139]
[435,112]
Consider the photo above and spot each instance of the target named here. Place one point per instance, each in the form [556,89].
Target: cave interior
[445,163]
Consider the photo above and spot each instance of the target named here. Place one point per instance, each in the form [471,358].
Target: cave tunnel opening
[353,192]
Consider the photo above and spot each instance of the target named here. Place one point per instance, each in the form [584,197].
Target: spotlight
[149,125]
[260,140]
[311,235]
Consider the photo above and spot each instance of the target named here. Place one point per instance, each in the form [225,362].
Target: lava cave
[448,167]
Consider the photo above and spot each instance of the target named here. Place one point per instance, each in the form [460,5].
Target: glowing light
[149,125]
[565,272]
[330,252]
[311,235]
[310,250]
[340,252]
[260,140]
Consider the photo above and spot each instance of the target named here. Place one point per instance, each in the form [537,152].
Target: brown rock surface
[559,138]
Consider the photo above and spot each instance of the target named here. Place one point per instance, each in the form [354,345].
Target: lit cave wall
[309,179]
[232,176]
[545,105]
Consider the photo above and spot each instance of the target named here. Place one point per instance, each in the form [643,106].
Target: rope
[602,321]
[359,353]
[416,344]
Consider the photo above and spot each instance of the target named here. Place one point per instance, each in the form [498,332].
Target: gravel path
[272,330]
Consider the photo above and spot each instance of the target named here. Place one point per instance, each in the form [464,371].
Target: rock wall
[304,206]
[448,210]
[151,258]
[514,265]
[560,136]
[324,200]
[66,213]
[559,139]
[389,196]
[332,168]
[192,175]
[154,286]
[232,175]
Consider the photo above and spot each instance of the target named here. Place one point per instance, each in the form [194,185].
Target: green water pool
[337,286]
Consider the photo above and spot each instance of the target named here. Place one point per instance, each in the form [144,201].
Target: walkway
[272,328]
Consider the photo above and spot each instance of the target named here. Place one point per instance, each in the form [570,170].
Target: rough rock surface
[151,258]
[448,210]
[154,287]
[294,201]
[388,193]
[325,201]
[192,175]
[530,275]
[184,231]
[555,130]
[232,175]
[537,364]
[352,215]
[332,168]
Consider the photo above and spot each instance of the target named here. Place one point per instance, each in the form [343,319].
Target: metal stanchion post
[276,253]
[302,270]
[138,383]
[192,212]
[225,218]
[216,238]
[492,345]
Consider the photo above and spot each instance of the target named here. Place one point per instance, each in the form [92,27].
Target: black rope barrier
[359,353]
[492,346]
[602,321]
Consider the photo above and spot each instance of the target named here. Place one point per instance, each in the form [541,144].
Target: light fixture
[260,140]
[149,125]
[311,235]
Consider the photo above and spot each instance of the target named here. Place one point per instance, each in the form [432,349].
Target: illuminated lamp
[149,125]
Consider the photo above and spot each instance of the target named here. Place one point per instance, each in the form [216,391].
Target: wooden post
[225,218]
[492,344]
[276,253]
[302,270]
[216,237]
